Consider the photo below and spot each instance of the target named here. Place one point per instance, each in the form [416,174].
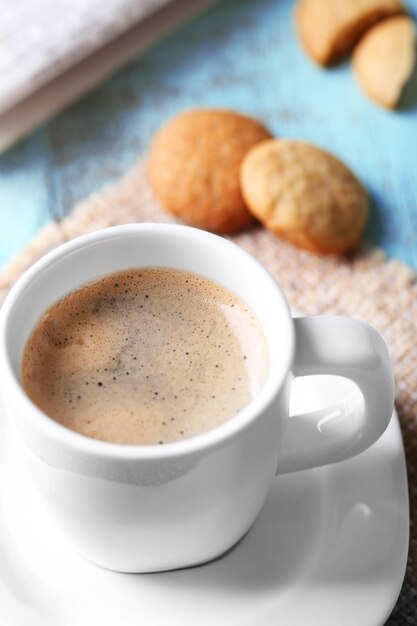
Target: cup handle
[345,347]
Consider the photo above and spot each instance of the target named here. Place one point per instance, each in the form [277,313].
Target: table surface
[241,54]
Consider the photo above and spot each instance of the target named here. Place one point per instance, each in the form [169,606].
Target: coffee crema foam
[145,356]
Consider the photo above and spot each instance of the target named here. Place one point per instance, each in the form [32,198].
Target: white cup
[139,508]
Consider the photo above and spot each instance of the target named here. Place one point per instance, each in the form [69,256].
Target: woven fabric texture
[366,286]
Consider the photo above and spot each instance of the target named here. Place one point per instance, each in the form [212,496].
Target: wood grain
[241,54]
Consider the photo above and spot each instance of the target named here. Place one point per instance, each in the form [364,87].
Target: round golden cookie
[194,166]
[384,59]
[305,195]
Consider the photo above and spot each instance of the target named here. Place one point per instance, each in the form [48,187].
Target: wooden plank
[239,54]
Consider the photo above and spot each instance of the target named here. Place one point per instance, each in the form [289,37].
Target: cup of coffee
[146,370]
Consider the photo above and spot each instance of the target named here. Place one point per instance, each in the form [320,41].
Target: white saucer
[329,547]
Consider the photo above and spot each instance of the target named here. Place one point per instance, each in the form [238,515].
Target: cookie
[305,195]
[384,60]
[329,29]
[194,163]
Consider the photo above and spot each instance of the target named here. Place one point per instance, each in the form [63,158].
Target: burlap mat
[366,286]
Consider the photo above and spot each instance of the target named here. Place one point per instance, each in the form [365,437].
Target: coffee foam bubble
[145,356]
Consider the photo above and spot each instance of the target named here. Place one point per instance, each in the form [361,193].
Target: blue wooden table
[241,54]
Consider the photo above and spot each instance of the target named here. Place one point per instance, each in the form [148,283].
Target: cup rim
[122,451]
